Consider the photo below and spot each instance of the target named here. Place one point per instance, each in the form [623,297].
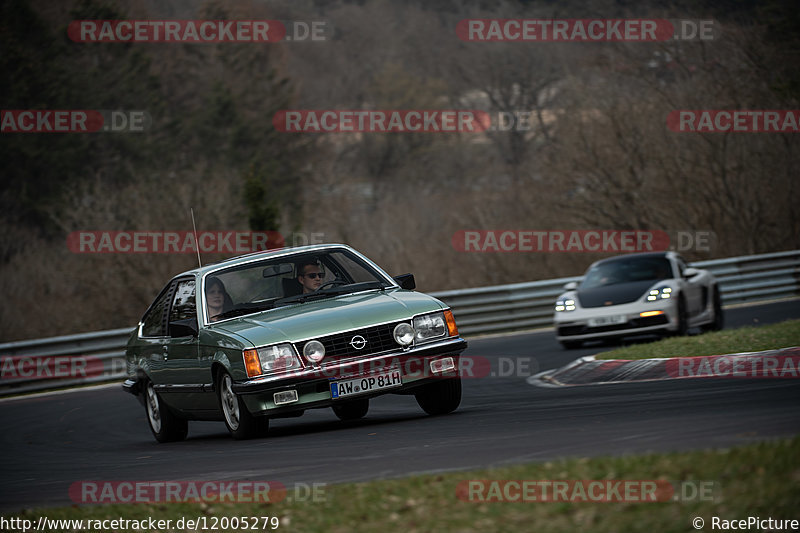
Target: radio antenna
[196,243]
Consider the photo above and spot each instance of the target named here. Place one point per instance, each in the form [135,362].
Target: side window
[681,266]
[183,303]
[154,321]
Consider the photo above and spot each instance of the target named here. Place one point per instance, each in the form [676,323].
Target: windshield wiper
[245,309]
[355,287]
[303,297]
[333,291]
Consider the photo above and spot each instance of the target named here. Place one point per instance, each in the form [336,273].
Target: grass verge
[753,480]
[745,339]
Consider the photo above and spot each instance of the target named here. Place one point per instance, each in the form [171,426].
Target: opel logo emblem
[358,342]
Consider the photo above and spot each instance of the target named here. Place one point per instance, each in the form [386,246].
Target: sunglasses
[315,275]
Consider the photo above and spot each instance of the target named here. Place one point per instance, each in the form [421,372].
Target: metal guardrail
[479,310]
[756,277]
[42,364]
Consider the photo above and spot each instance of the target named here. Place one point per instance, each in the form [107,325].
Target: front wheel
[240,423]
[166,427]
[683,321]
[719,318]
[440,397]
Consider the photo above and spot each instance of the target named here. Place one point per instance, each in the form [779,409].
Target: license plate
[361,385]
[607,320]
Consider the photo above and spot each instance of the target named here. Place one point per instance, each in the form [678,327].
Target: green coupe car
[271,334]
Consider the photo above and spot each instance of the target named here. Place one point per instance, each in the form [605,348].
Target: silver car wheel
[230,403]
[153,412]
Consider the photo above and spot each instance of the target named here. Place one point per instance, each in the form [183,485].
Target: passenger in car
[218,300]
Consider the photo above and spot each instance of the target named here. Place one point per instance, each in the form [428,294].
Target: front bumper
[576,325]
[313,385]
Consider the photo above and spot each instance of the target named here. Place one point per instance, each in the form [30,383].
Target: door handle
[166,351]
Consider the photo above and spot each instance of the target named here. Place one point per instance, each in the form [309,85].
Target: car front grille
[378,339]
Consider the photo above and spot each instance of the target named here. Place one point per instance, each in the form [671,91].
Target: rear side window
[154,322]
[183,303]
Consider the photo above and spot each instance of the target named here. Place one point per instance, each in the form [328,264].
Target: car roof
[265,254]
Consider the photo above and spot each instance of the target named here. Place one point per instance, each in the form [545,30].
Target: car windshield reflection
[627,271]
[265,285]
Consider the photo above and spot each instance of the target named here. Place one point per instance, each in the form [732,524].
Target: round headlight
[314,351]
[403,334]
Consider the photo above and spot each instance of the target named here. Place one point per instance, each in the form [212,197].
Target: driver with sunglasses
[310,276]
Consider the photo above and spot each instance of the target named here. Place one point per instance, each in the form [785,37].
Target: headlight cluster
[565,305]
[403,334]
[428,327]
[275,358]
[278,357]
[314,351]
[659,293]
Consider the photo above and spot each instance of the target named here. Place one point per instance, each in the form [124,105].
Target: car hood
[332,315]
[619,293]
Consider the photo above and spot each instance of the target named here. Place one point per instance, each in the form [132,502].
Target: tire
[571,345]
[240,423]
[719,317]
[440,397]
[352,410]
[683,321]
[166,427]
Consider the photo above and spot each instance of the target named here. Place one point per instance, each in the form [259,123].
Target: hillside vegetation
[588,149]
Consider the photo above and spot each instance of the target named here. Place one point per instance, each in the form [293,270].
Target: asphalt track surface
[50,442]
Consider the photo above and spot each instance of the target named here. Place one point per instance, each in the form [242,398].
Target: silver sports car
[650,293]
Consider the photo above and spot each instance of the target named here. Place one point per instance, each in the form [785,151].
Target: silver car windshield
[264,285]
[627,271]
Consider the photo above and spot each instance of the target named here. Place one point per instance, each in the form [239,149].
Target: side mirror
[690,272]
[571,286]
[406,281]
[183,328]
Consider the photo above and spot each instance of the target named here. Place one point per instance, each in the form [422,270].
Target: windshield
[264,285]
[627,271]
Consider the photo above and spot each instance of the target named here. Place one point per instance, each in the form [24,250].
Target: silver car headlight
[565,305]
[403,334]
[314,351]
[659,293]
[431,326]
[277,358]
